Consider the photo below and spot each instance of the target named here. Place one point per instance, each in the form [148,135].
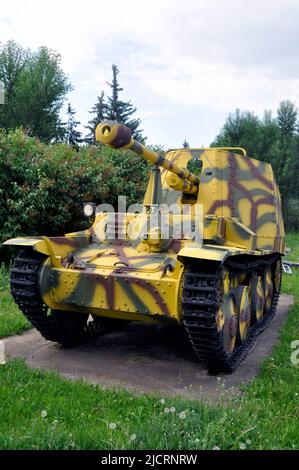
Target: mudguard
[55,247]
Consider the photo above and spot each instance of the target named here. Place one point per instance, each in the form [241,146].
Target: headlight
[89,209]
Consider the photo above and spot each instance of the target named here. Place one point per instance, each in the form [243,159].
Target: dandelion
[166,410]
[133,438]
[248,442]
[216,448]
[162,401]
[172,409]
[112,425]
[196,440]
[242,446]
[43,413]
[183,414]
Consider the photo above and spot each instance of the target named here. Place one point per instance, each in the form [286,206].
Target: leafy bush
[43,187]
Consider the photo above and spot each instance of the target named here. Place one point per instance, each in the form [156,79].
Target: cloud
[193,60]
[193,82]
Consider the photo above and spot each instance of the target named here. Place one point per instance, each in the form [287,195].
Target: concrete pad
[146,359]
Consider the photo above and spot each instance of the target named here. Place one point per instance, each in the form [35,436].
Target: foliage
[43,187]
[35,90]
[72,136]
[114,110]
[273,140]
[99,111]
[121,111]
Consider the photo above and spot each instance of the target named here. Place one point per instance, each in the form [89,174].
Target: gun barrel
[117,135]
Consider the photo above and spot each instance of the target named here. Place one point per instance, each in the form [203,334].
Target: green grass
[11,319]
[82,416]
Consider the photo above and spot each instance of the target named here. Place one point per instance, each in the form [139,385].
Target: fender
[55,247]
[209,252]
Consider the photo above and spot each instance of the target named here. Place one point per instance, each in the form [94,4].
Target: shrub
[43,187]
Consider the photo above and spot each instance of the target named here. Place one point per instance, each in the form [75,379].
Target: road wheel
[242,298]
[277,275]
[268,289]
[228,312]
[257,298]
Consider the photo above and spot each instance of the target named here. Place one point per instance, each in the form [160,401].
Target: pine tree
[72,136]
[121,111]
[99,110]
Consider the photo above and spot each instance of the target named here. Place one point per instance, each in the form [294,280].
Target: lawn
[40,410]
[12,321]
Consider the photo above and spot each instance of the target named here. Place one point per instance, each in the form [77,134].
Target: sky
[185,65]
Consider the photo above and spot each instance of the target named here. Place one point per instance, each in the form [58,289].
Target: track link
[25,291]
[202,296]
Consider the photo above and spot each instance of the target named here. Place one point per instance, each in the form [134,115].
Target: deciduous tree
[35,90]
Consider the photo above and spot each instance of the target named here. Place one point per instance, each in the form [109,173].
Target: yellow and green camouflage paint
[141,279]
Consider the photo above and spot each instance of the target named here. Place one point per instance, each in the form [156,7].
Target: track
[202,296]
[24,289]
